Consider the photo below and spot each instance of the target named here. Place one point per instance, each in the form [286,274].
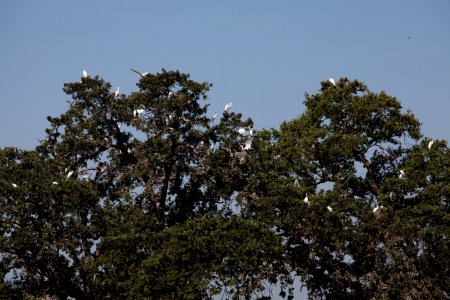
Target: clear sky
[261,55]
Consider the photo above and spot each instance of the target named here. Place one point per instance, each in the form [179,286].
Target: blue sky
[261,55]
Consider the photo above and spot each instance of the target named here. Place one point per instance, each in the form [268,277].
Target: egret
[332,81]
[247,145]
[138,112]
[377,211]
[116,94]
[378,208]
[430,144]
[69,174]
[14,185]
[139,73]
[306,199]
[102,167]
[55,183]
[170,95]
[296,184]
[329,208]
[402,174]
[215,115]
[85,74]
[241,131]
[228,106]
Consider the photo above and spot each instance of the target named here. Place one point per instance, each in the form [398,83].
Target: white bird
[139,73]
[14,185]
[306,199]
[215,115]
[377,211]
[430,144]
[378,208]
[170,95]
[116,94]
[228,106]
[296,184]
[247,145]
[242,131]
[329,208]
[332,81]
[102,167]
[402,174]
[85,74]
[138,112]
[55,182]
[69,174]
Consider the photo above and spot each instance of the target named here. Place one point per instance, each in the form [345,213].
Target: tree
[145,196]
[131,196]
[377,221]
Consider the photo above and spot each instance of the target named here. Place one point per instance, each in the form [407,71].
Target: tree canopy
[148,195]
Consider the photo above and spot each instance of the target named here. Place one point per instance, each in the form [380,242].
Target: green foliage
[97,209]
[227,255]
[146,196]
[347,152]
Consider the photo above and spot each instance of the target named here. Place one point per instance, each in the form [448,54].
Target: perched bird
[69,174]
[296,184]
[402,174]
[377,211]
[116,94]
[102,167]
[430,144]
[55,182]
[228,106]
[242,131]
[170,95]
[138,112]
[247,145]
[139,73]
[329,208]
[14,185]
[377,208]
[306,199]
[332,81]
[85,74]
